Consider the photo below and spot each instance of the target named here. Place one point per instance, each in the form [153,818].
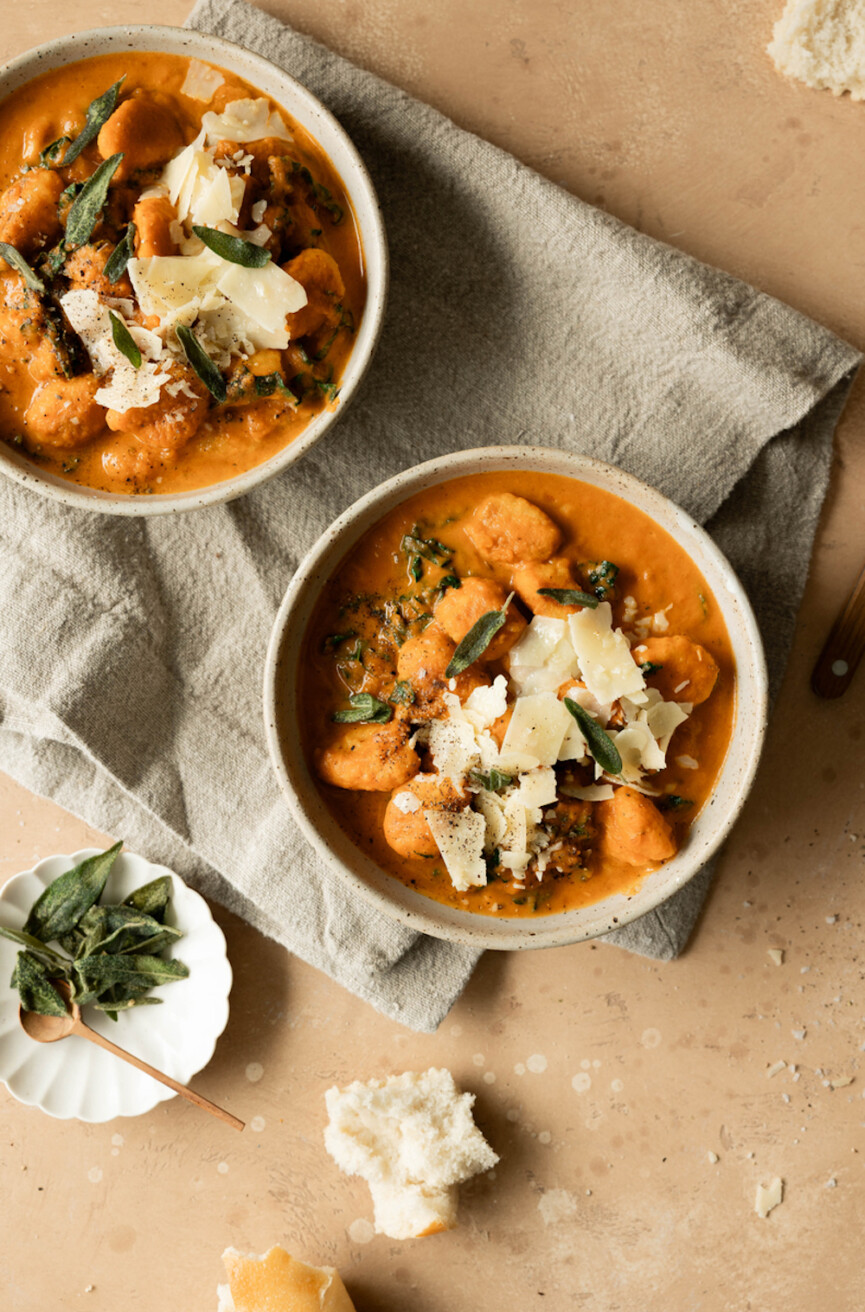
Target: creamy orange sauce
[231,439]
[360,597]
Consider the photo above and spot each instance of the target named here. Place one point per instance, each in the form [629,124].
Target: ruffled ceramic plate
[74,1078]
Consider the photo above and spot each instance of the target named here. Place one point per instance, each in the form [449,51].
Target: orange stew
[518,693]
[183,274]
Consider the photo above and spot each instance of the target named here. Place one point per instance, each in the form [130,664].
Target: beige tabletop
[629,1101]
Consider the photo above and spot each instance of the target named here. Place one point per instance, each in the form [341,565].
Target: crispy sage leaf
[95,974]
[600,743]
[124,341]
[570,597]
[493,781]
[414,544]
[233,249]
[403,693]
[152,898]
[35,945]
[117,929]
[99,111]
[115,265]
[201,363]
[65,901]
[34,986]
[50,155]
[111,1008]
[17,262]
[365,709]
[476,641]
[87,205]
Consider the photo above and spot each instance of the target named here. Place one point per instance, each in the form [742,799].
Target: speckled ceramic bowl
[707,832]
[321,124]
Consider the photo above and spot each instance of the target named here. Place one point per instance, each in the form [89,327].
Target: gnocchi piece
[462,607]
[686,673]
[633,829]
[64,412]
[405,827]
[145,132]
[422,662]
[369,758]
[85,269]
[153,217]
[535,574]
[170,422]
[507,528]
[28,212]
[318,274]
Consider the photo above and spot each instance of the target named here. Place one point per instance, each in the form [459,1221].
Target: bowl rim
[334,542]
[359,189]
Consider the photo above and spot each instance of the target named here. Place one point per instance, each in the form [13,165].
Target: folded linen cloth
[131,651]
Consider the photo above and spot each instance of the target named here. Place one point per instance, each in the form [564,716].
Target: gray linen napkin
[131,652]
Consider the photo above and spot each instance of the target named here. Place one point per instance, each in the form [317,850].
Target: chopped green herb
[403,693]
[649,667]
[365,709]
[201,363]
[449,581]
[267,384]
[124,341]
[233,249]
[569,597]
[673,802]
[334,640]
[493,781]
[414,544]
[476,641]
[99,111]
[704,605]
[600,744]
[415,568]
[49,156]
[115,265]
[17,262]
[602,577]
[87,205]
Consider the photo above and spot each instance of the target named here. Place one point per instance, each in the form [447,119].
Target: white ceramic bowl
[322,125]
[709,829]
[74,1078]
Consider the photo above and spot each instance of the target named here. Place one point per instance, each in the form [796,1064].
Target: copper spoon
[48,1029]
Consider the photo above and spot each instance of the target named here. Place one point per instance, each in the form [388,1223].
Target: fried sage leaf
[570,597]
[35,945]
[414,544]
[233,249]
[117,929]
[201,363]
[115,265]
[124,341]
[365,709]
[99,111]
[87,205]
[152,898]
[476,641]
[52,152]
[65,900]
[94,974]
[600,744]
[30,977]
[17,262]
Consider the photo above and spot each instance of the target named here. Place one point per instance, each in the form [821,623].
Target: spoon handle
[87,1033]
[844,646]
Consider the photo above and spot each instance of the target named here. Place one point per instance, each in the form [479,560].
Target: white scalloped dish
[76,1079]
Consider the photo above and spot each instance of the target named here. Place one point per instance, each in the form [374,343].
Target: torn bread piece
[278,1282]
[413,1139]
[822,43]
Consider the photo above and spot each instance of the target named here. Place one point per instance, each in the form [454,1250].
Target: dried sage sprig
[16,261]
[365,709]
[99,111]
[233,249]
[124,341]
[570,597]
[30,977]
[115,265]
[201,363]
[87,205]
[64,902]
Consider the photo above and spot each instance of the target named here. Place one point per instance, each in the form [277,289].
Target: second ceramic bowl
[368,879]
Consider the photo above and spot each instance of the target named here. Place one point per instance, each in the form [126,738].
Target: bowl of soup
[515,697]
[193,270]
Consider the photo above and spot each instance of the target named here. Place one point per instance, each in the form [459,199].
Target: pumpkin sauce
[403,605]
[62,397]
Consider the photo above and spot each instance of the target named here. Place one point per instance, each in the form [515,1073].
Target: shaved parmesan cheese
[537,788]
[460,836]
[608,669]
[538,727]
[492,807]
[768,1197]
[201,81]
[663,719]
[452,746]
[488,704]
[537,642]
[515,854]
[266,296]
[687,763]
[127,387]
[407,803]
[132,389]
[574,746]
[244,120]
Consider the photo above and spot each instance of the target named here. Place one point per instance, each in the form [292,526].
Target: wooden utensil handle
[87,1033]
[844,646]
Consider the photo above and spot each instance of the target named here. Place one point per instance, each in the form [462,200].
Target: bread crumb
[776,1068]
[822,44]
[768,1197]
[776,955]
[713,1157]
